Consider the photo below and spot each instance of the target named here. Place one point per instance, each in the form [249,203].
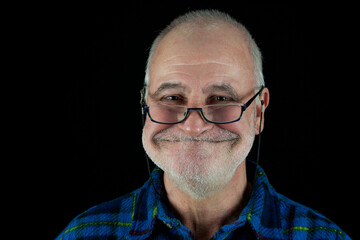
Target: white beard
[199,166]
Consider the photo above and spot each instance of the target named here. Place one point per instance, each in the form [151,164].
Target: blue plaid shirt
[145,214]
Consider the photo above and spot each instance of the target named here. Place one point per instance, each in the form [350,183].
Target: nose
[194,125]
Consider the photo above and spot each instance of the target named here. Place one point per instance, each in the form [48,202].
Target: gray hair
[209,18]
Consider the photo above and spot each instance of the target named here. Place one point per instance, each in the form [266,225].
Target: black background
[92,134]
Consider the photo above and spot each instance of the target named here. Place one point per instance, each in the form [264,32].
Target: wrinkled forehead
[199,54]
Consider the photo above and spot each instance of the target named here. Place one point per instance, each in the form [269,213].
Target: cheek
[236,127]
[241,127]
[150,129]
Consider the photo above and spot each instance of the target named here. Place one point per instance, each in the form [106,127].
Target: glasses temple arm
[252,99]
[142,99]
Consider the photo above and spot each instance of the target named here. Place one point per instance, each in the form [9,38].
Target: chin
[199,168]
[197,171]
[200,182]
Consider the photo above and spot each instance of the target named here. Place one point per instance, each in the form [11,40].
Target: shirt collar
[152,205]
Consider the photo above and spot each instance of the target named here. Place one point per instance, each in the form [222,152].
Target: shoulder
[301,222]
[108,219]
[275,215]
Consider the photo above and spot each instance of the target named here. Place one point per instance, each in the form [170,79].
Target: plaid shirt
[145,214]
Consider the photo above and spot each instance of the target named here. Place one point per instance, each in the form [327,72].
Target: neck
[204,217]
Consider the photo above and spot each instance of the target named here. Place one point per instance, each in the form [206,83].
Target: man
[204,100]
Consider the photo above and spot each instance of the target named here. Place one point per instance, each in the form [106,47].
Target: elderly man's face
[194,69]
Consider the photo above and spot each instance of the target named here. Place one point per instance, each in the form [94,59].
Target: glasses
[218,114]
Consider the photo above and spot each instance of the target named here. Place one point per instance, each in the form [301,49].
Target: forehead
[202,55]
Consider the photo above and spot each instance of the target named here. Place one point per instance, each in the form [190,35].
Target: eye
[222,99]
[219,99]
[172,98]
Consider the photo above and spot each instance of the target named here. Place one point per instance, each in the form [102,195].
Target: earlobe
[260,120]
[260,110]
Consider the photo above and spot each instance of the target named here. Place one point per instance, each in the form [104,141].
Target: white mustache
[214,137]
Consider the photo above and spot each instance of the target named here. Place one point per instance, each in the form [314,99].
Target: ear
[261,106]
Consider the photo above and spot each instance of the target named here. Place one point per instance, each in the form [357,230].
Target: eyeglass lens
[213,113]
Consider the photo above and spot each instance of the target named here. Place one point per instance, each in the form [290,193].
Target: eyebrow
[223,87]
[167,86]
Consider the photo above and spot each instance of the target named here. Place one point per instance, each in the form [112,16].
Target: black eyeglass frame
[145,109]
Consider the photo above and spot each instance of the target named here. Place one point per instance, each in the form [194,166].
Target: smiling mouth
[197,140]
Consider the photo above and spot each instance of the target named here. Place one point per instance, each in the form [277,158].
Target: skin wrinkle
[227,136]
[223,87]
[223,136]
[196,64]
[217,87]
[193,139]
[166,86]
